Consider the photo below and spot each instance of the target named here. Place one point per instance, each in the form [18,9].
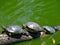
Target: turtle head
[3,27]
[23,26]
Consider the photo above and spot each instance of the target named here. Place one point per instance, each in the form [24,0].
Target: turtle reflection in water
[14,31]
[33,28]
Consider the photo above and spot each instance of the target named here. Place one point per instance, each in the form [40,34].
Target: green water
[43,12]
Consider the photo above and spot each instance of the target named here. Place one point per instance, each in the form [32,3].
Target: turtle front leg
[8,33]
[3,32]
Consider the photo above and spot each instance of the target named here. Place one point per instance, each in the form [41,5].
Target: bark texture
[5,39]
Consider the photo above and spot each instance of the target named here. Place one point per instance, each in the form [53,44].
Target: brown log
[5,39]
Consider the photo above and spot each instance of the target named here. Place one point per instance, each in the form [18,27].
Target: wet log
[5,39]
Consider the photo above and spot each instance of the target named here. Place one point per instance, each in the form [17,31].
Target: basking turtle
[13,30]
[57,27]
[49,29]
[33,28]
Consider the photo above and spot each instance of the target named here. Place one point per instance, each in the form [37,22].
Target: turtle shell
[49,29]
[32,25]
[14,29]
[57,27]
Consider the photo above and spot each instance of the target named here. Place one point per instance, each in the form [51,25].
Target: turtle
[14,30]
[33,28]
[49,29]
[57,28]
